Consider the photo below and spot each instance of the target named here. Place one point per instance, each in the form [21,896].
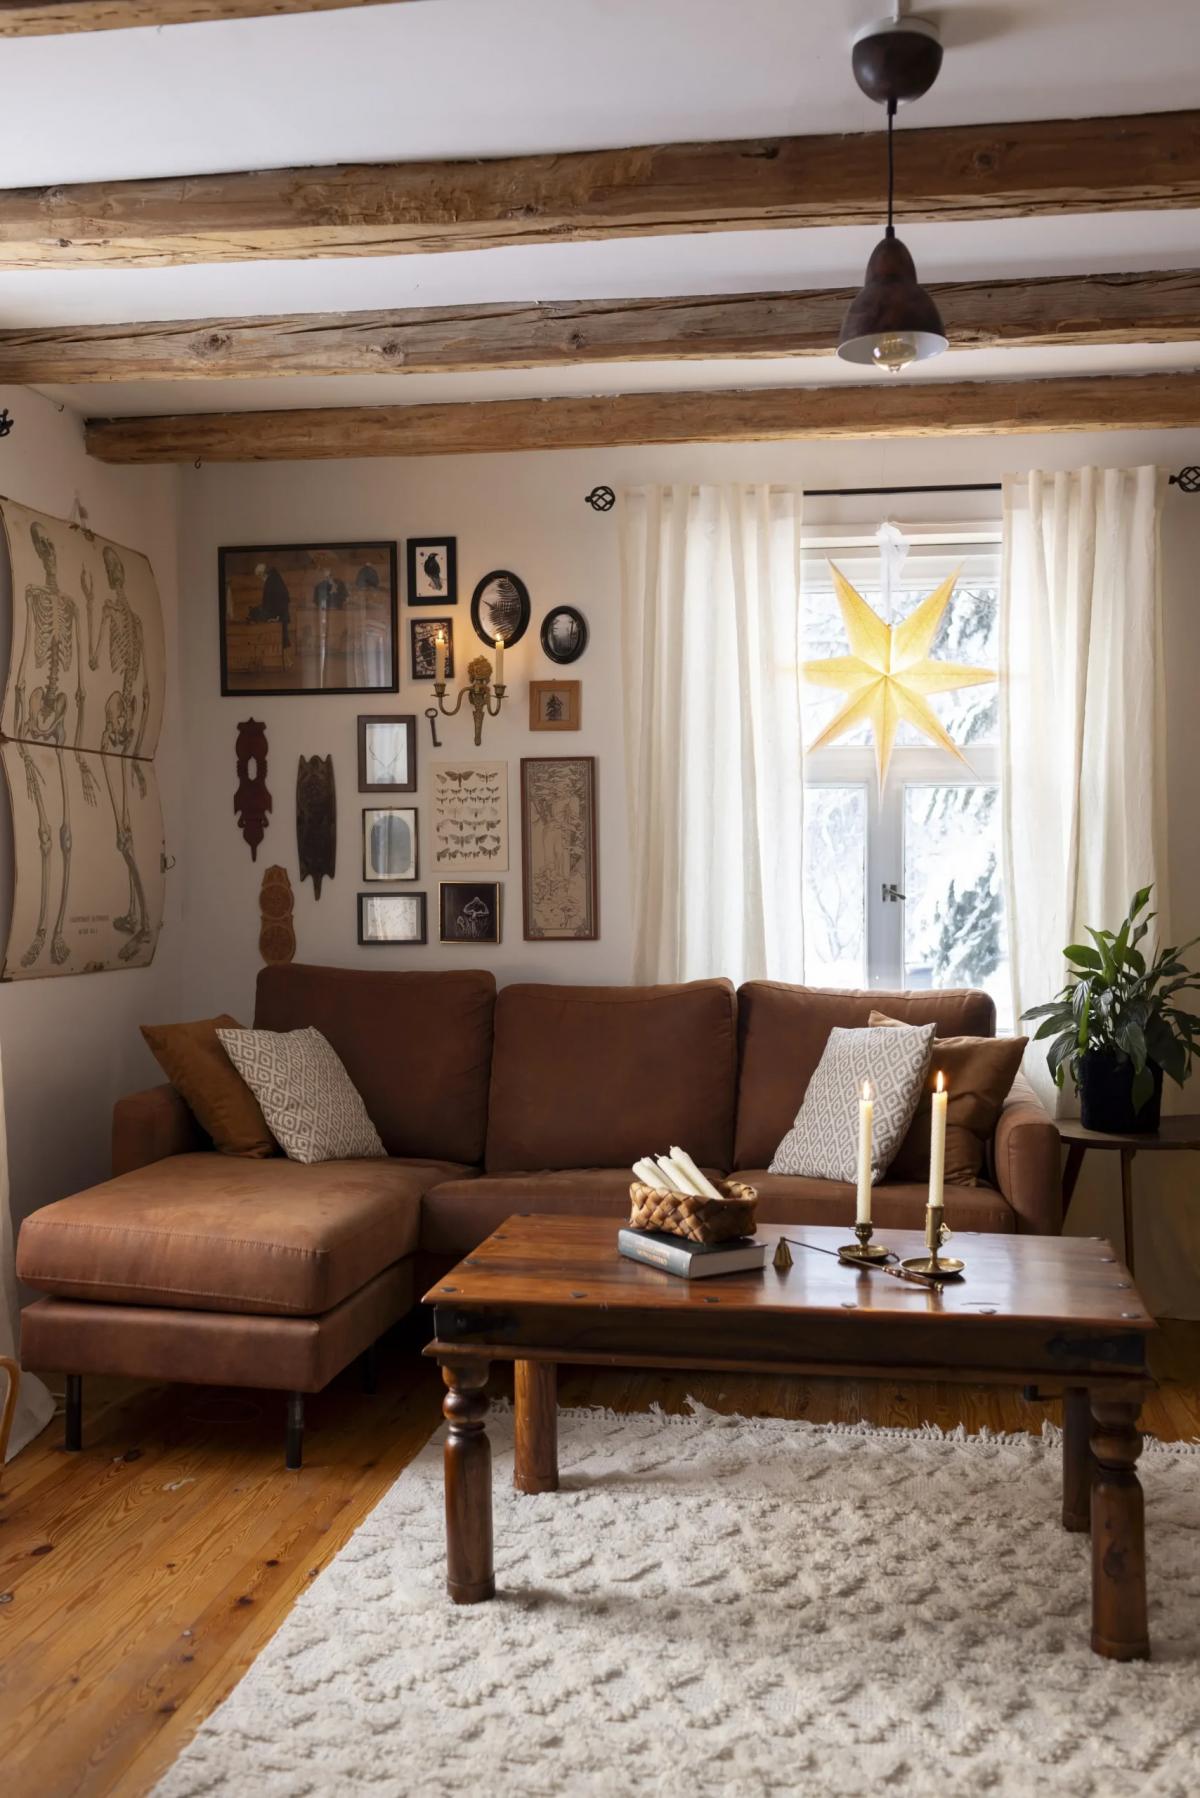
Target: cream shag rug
[717,1605]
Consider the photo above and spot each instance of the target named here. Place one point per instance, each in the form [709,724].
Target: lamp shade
[891,321]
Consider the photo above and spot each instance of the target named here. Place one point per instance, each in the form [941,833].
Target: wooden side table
[1173,1133]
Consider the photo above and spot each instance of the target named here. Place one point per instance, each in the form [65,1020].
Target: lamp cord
[891,115]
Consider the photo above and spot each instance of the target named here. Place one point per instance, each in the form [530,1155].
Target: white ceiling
[465,78]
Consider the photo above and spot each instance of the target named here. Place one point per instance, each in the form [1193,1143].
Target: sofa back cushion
[596,1076]
[418,1047]
[782,1032]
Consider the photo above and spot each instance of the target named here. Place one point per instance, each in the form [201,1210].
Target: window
[903,888]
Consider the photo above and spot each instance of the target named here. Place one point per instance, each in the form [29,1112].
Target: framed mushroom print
[308,618]
[391,918]
[432,568]
[558,847]
[470,911]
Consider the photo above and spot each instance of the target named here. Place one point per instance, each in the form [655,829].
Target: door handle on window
[891,892]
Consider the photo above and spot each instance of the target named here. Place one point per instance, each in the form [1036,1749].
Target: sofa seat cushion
[206,1232]
[895,1205]
[598,1076]
[456,1217]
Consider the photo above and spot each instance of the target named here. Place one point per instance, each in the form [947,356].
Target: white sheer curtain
[710,635]
[1083,728]
[35,1406]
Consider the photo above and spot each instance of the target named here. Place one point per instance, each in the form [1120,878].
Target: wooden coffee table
[1058,1312]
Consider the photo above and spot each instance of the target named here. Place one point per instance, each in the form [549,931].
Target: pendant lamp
[891,320]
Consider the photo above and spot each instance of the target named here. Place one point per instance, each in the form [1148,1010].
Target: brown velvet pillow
[979,1073]
[192,1058]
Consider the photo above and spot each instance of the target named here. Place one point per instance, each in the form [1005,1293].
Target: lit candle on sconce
[439,656]
[498,677]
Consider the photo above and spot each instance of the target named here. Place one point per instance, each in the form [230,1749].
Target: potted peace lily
[1118,1027]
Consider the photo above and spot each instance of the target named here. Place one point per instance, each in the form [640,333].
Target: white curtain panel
[711,670]
[35,1407]
[1083,723]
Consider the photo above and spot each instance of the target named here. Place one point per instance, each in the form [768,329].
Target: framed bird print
[432,571]
[470,817]
[308,618]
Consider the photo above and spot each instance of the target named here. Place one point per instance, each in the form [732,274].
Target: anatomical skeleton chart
[79,726]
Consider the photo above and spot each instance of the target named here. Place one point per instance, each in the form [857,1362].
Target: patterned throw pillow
[822,1144]
[311,1105]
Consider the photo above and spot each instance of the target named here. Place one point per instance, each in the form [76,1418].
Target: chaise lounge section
[214,1269]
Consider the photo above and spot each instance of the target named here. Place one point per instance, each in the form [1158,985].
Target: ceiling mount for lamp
[892,321]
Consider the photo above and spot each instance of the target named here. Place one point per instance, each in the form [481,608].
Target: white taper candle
[866,1117]
[937,1142]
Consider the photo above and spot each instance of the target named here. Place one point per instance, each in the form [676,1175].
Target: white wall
[71,1046]
[527,513]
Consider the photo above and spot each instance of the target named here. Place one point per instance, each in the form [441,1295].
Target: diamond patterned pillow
[822,1144]
[312,1107]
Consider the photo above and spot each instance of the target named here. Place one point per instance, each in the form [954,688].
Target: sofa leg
[368,1368]
[73,1422]
[295,1431]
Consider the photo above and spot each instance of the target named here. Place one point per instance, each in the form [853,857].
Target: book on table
[691,1260]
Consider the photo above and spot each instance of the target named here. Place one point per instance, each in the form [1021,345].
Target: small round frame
[564,634]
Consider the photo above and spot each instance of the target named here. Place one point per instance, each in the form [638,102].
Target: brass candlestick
[480,693]
[936,1265]
[864,1250]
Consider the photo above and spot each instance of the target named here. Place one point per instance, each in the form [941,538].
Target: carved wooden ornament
[252,801]
[316,819]
[277,936]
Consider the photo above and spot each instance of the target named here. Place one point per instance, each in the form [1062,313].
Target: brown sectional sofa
[214,1269]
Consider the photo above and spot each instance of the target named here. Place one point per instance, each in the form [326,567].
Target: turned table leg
[1119,1628]
[535,1468]
[468,1475]
[1077,1459]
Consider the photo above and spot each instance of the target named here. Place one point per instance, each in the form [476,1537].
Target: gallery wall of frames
[415,733]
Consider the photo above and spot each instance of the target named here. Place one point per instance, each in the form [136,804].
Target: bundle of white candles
[675,1172]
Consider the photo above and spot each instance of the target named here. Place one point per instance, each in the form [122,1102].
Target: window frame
[853,765]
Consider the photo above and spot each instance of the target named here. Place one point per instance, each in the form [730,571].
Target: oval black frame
[522,593]
[552,654]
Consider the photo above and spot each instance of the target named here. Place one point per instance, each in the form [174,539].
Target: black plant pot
[1106,1096]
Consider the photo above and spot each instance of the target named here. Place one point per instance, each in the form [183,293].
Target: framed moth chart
[309,618]
[80,722]
[558,847]
[470,817]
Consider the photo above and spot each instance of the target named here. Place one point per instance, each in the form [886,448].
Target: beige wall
[71,1046]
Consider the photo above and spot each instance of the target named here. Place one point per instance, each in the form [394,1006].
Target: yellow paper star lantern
[889,671]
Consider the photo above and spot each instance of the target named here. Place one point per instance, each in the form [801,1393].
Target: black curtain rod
[1187,480]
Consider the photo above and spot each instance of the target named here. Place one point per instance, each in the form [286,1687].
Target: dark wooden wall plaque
[316,819]
[252,801]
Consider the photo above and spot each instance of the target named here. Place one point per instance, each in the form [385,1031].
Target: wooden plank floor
[139,1579]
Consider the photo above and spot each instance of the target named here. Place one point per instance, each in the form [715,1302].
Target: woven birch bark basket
[693,1215]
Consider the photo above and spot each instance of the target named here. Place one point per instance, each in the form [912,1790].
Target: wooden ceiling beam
[882,408]
[57,18]
[954,172]
[1159,307]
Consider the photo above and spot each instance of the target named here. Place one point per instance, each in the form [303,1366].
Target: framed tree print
[387,754]
[558,847]
[308,618]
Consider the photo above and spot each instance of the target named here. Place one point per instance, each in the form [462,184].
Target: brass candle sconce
[485,699]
